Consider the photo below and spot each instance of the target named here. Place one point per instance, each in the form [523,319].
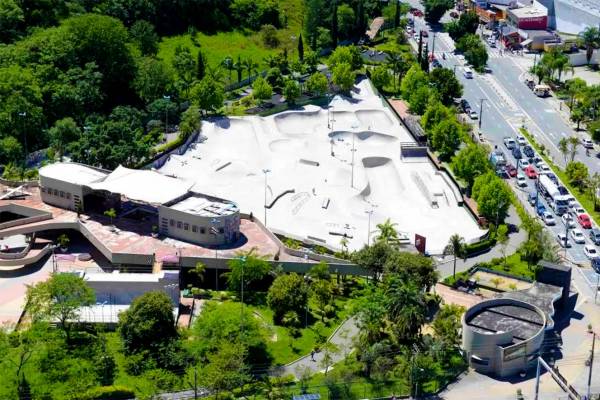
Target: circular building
[503,336]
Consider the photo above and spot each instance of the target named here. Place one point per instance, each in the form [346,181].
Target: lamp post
[23,114]
[481,111]
[454,68]
[265,171]
[168,99]
[370,214]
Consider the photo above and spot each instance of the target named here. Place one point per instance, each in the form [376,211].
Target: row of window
[186,227]
[55,192]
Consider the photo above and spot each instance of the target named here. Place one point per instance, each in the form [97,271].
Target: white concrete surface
[296,147]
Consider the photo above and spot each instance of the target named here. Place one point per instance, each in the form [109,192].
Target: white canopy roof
[143,185]
[74,173]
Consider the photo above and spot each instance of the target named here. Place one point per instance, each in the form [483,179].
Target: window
[68,195]
[43,189]
[202,230]
[179,224]
[221,230]
[172,222]
[62,194]
[194,228]
[55,192]
[186,227]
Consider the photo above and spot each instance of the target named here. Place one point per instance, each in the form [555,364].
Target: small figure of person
[312,355]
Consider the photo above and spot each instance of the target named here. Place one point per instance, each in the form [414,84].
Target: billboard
[420,243]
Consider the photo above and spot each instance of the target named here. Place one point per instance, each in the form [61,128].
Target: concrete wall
[121,290]
[173,223]
[488,346]
[60,194]
[30,215]
[571,19]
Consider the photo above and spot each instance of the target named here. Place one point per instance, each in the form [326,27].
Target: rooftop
[522,322]
[529,12]
[76,173]
[198,204]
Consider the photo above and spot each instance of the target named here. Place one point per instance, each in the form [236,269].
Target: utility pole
[566,243]
[481,111]
[597,287]
[195,383]
[369,212]
[353,151]
[265,171]
[589,385]
[433,47]
[168,99]
[23,114]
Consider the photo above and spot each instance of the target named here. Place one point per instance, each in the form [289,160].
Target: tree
[435,9]
[261,90]
[144,36]
[329,350]
[446,84]
[493,197]
[474,50]
[323,38]
[394,62]
[373,257]
[152,80]
[502,240]
[184,64]
[467,23]
[447,324]
[226,369]
[289,292]
[191,122]
[414,79]
[381,77]
[435,113]
[249,266]
[419,99]
[111,213]
[456,247]
[563,147]
[590,37]
[575,88]
[594,185]
[387,232]
[470,162]
[11,150]
[300,48]
[573,144]
[59,299]
[446,138]
[577,116]
[406,307]
[268,34]
[250,66]
[577,173]
[322,292]
[11,17]
[345,55]
[345,20]
[200,65]
[291,91]
[228,64]
[312,20]
[317,84]
[207,94]
[416,268]
[148,324]
[62,133]
[343,77]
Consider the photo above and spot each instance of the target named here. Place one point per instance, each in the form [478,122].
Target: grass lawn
[583,197]
[283,347]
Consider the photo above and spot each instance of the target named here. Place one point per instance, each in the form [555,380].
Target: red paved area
[134,237]
[452,296]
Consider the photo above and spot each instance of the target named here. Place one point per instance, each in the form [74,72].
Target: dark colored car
[562,190]
[436,64]
[595,235]
[511,170]
[464,104]
[596,264]
[553,178]
[541,209]
[516,152]
[532,198]
[528,151]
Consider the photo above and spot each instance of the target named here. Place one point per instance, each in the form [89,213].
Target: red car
[531,172]
[511,170]
[585,221]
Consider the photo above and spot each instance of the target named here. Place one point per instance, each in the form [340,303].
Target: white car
[587,143]
[549,218]
[509,143]
[563,240]
[590,251]
[568,220]
[577,209]
[572,202]
[521,140]
[577,236]
[473,114]
[523,163]
[521,180]
[538,162]
[544,169]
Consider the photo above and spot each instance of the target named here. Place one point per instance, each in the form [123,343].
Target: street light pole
[369,213]
[23,114]
[481,111]
[266,171]
[433,47]
[168,98]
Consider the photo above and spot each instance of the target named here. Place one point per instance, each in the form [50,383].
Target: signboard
[516,351]
[420,243]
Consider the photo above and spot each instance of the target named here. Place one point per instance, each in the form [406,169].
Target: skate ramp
[368,137]
[377,120]
[299,122]
[383,180]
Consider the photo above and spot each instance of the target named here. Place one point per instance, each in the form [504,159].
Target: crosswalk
[458,57]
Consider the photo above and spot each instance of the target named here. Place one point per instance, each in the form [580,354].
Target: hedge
[108,393]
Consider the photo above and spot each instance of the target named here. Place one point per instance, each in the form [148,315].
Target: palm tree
[238,66]
[456,247]
[394,62]
[250,66]
[406,306]
[590,37]
[387,232]
[344,244]
[199,270]
[573,143]
[562,64]
[228,65]
[594,184]
[575,88]
[270,61]
[215,73]
[563,147]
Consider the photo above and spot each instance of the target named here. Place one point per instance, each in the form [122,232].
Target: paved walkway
[342,338]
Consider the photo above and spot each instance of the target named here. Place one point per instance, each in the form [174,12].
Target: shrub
[108,393]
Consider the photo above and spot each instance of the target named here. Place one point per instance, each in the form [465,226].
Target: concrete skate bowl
[227,171]
[286,145]
[299,122]
[368,137]
[383,180]
[375,119]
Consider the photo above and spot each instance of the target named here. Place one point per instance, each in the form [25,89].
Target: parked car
[537,161]
[549,218]
[521,140]
[511,170]
[596,264]
[468,72]
[563,240]
[464,104]
[528,151]
[576,210]
[516,152]
[521,180]
[595,235]
[587,143]
[577,236]
[540,209]
[544,168]
[473,114]
[510,143]
[585,221]
[532,198]
[590,251]
[531,172]
[568,220]
[562,190]
[436,64]
[553,178]
[523,164]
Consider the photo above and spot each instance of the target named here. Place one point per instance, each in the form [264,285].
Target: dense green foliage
[474,50]
[467,23]
[435,9]
[493,197]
